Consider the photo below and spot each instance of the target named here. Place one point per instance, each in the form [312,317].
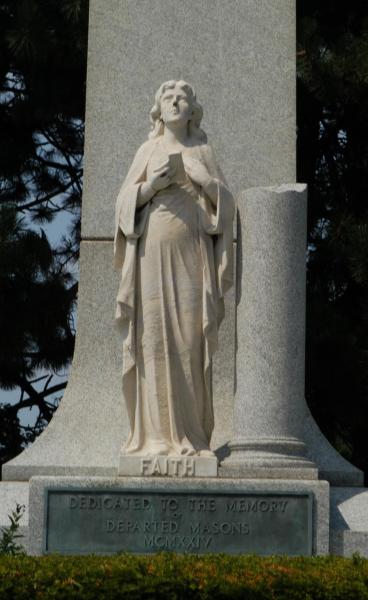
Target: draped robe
[175,256]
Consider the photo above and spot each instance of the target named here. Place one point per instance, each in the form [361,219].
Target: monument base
[169,466]
[268,458]
[244,471]
[71,515]
[348,510]
[246,465]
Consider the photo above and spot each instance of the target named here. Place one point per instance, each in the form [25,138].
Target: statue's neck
[175,137]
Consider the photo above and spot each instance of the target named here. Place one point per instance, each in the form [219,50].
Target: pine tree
[42,101]
[333,159]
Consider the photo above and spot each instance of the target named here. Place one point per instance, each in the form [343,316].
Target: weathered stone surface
[319,490]
[269,401]
[346,543]
[331,465]
[11,494]
[170,466]
[349,521]
[263,468]
[246,84]
[349,508]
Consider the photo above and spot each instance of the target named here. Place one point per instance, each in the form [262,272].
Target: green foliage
[166,576]
[9,535]
[43,48]
[36,300]
[36,296]
[43,53]
[333,160]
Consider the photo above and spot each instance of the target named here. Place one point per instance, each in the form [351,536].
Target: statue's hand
[161,177]
[197,171]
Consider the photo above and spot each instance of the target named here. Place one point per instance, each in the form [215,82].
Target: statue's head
[176,105]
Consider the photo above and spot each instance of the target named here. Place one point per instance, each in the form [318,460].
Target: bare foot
[159,450]
[206,453]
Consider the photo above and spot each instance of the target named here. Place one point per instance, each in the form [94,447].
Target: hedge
[175,577]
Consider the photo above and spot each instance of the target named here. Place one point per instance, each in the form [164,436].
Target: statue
[173,244]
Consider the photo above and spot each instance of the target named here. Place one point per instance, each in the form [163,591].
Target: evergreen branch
[36,398]
[45,198]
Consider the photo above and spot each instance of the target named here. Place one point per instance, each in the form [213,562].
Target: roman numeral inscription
[148,521]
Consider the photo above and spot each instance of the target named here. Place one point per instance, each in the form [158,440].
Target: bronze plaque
[142,521]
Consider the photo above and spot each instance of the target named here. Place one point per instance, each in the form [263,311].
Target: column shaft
[269,400]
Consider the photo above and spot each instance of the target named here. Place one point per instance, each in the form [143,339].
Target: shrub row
[174,577]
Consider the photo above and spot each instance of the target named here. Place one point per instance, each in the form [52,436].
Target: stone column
[269,400]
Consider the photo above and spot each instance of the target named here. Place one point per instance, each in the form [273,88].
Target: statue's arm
[127,199]
[207,174]
[211,190]
[216,184]
[158,180]
[135,191]
[145,194]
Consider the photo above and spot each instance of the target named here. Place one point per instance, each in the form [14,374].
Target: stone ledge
[168,466]
[242,471]
[346,543]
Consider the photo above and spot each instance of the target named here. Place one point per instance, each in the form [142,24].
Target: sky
[54,231]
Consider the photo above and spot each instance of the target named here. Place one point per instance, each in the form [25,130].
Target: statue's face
[175,107]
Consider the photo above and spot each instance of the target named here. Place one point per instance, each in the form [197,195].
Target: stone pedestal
[170,466]
[269,401]
[349,521]
[156,514]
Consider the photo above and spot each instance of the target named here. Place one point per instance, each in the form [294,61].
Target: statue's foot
[183,451]
[158,450]
[206,453]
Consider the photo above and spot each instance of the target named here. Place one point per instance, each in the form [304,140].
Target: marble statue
[173,244]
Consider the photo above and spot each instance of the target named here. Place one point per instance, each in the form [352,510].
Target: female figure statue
[173,244]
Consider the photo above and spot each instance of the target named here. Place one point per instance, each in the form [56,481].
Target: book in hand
[177,165]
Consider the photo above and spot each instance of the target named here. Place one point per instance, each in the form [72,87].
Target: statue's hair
[157,124]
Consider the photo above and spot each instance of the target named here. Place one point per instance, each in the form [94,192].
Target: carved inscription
[162,465]
[145,522]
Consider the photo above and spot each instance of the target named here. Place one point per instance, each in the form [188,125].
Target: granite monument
[275,467]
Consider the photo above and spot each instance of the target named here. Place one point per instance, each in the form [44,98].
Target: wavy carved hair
[157,124]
